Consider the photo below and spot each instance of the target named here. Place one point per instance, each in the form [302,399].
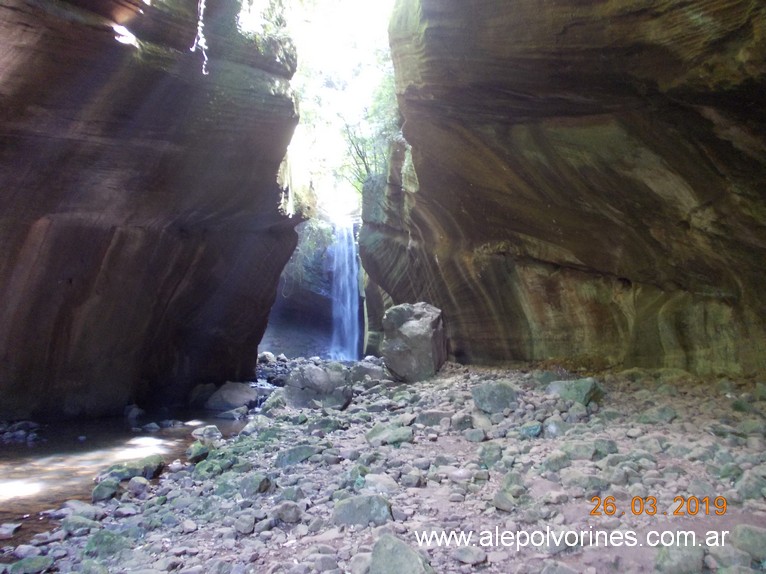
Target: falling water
[345,294]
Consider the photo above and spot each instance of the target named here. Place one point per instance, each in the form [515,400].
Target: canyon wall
[141,236]
[581,180]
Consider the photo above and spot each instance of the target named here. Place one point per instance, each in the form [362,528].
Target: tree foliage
[368,139]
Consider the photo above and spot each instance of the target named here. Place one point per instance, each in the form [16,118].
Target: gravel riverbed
[546,473]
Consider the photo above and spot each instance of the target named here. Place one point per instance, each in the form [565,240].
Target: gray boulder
[232,395]
[414,345]
[313,385]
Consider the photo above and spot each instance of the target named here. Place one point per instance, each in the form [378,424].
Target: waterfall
[345,294]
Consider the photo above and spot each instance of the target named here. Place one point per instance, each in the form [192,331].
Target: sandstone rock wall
[139,223]
[585,180]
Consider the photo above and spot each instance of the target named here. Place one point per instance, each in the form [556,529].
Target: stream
[62,463]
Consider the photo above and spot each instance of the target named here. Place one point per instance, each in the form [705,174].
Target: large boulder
[414,346]
[313,385]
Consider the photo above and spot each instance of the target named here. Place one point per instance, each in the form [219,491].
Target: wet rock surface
[305,490]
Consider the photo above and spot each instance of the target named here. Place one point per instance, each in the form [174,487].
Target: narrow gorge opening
[348,119]
[509,287]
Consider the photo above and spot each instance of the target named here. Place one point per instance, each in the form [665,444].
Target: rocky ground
[489,451]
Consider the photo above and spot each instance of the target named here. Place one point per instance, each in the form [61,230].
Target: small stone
[254,483]
[362,510]
[751,485]
[294,455]
[105,489]
[380,483]
[579,450]
[32,565]
[460,421]
[470,555]
[197,451]
[78,525]
[555,426]
[577,412]
[382,434]
[728,555]
[658,415]
[494,397]
[557,460]
[26,551]
[207,434]
[256,424]
[8,529]
[392,556]
[105,543]
[575,477]
[531,429]
[432,418]
[360,563]
[750,539]
[474,435]
[89,511]
[490,454]
[234,414]
[288,511]
[188,526]
[324,563]
[582,391]
[137,485]
[680,559]
[148,467]
[512,487]
[558,568]
[411,480]
[245,523]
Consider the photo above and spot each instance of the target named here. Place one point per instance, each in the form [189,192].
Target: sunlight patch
[10,489]
[124,36]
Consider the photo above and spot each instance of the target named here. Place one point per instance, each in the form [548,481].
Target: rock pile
[487,453]
[19,431]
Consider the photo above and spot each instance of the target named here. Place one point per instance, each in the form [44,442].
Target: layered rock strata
[142,240]
[580,179]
